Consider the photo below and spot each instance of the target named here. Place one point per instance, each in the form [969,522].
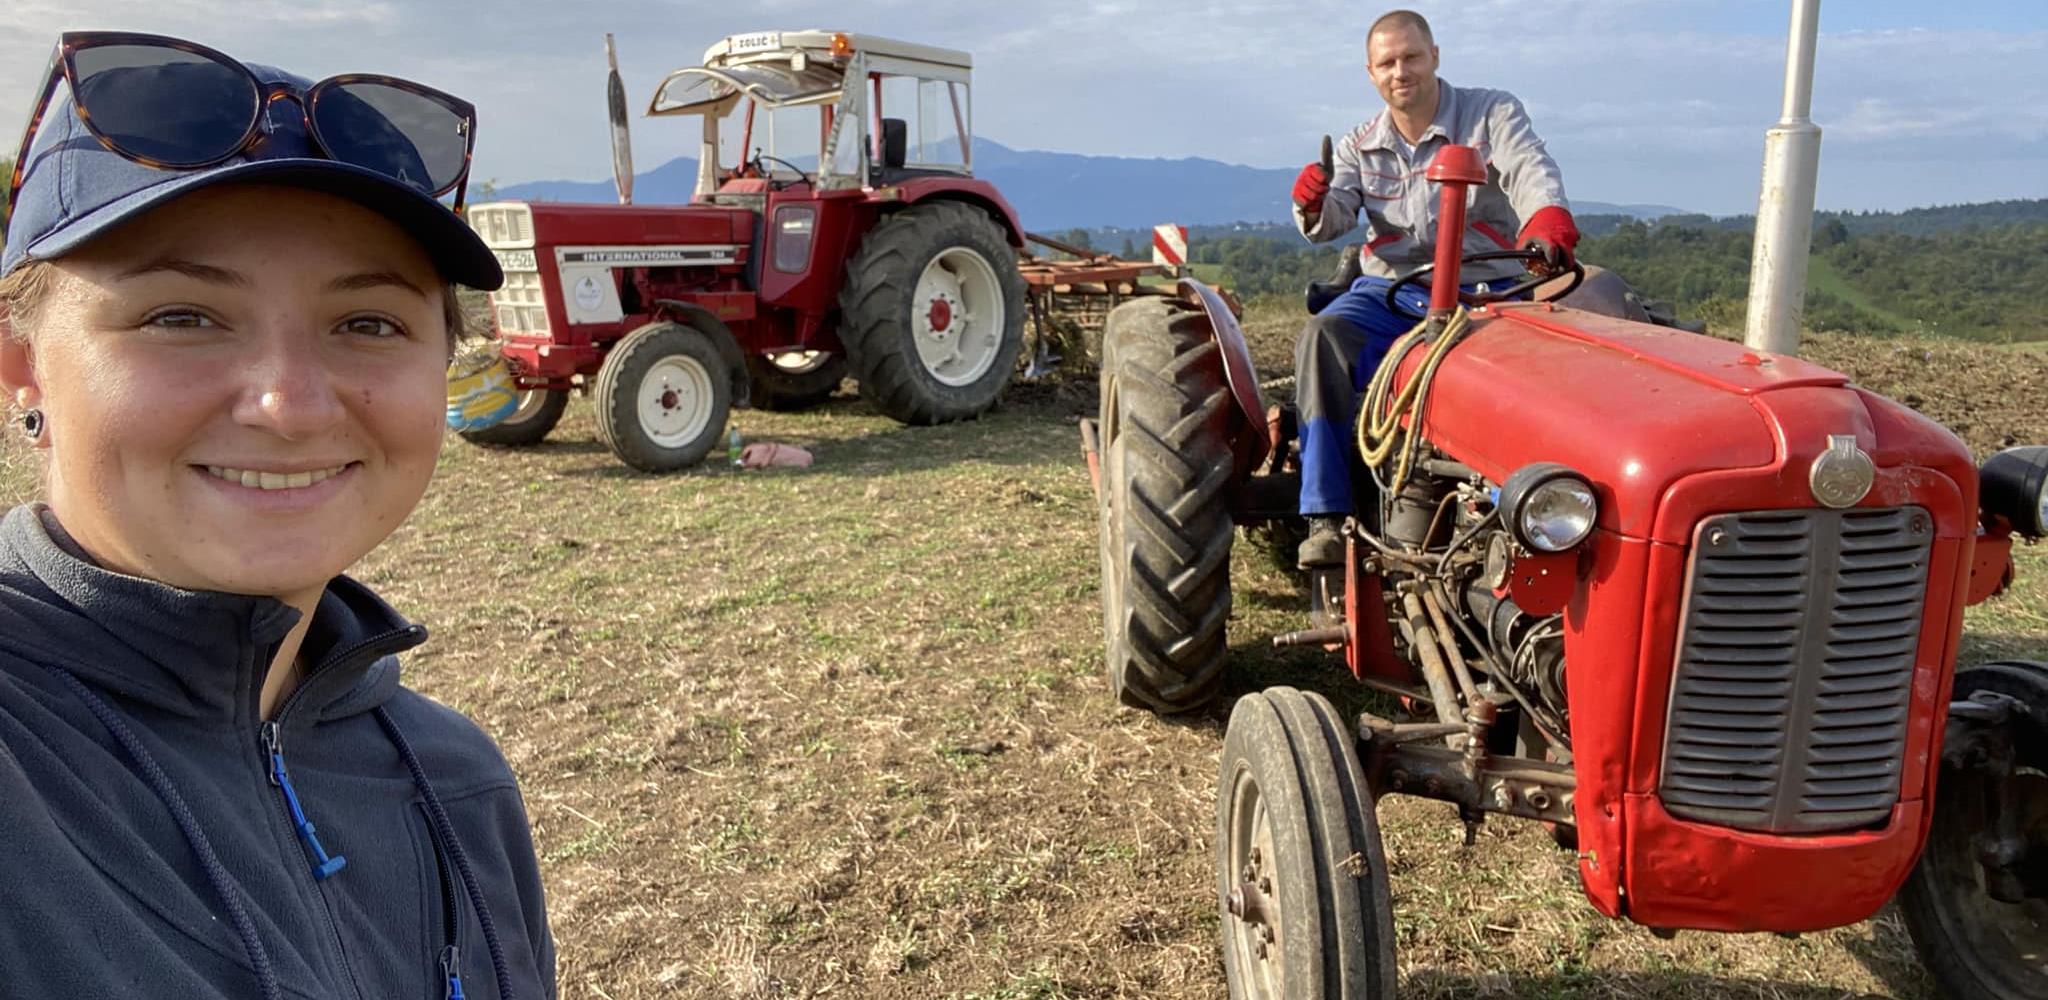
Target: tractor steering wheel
[760,165]
[1514,291]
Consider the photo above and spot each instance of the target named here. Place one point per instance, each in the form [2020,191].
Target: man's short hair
[1401,19]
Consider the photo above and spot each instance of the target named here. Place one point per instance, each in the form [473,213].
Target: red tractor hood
[558,223]
[1638,408]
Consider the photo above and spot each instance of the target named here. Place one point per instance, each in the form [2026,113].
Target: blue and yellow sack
[480,392]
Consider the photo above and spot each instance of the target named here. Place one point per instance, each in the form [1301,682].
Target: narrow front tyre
[1301,874]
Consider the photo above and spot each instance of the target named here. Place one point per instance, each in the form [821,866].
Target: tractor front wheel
[795,380]
[1300,870]
[1165,508]
[663,394]
[537,413]
[933,313]
[1973,943]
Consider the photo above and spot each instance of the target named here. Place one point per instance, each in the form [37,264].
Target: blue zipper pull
[323,866]
[451,967]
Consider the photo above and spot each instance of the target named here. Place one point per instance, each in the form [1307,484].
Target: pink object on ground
[763,454]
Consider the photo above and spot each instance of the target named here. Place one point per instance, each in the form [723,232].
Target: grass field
[1821,276]
[842,732]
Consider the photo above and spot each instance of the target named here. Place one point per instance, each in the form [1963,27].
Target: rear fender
[980,194]
[698,318]
[1251,442]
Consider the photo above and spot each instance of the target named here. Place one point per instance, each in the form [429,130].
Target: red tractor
[847,234]
[1697,607]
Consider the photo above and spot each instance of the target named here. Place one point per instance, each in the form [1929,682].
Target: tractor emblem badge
[1842,474]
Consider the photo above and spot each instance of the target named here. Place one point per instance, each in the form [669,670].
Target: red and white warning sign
[1170,245]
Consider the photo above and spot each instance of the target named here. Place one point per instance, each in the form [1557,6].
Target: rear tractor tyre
[536,414]
[1165,511]
[1301,873]
[933,313]
[795,380]
[1972,944]
[663,395]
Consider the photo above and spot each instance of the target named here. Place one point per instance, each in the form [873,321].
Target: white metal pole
[1784,213]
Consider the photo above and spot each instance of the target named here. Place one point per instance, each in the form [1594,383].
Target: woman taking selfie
[226,312]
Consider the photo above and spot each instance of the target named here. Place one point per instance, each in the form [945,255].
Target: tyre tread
[1166,595]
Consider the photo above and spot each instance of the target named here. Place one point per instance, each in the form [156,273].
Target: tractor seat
[1349,268]
[744,185]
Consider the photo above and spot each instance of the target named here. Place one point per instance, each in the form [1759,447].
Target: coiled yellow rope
[1379,419]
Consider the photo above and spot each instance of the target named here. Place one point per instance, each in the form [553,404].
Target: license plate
[516,260]
[760,41]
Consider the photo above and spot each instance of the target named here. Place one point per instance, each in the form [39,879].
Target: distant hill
[1929,221]
[1061,191]
[1118,196]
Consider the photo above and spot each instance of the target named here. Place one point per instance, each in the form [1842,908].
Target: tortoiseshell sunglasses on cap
[175,105]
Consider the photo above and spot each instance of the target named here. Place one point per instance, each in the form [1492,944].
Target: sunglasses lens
[165,105]
[398,133]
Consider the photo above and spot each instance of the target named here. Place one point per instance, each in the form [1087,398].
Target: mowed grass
[842,732]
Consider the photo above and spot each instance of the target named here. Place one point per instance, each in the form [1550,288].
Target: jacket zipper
[324,866]
[270,734]
[451,920]
[451,969]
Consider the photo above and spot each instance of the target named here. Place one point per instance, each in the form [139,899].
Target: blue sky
[1641,100]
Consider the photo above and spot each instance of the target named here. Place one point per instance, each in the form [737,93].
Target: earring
[32,424]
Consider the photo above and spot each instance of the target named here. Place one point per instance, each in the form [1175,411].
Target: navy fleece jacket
[103,893]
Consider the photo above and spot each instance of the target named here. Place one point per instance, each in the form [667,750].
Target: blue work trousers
[1334,360]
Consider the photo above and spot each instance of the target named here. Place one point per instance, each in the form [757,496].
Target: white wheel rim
[1250,833]
[799,362]
[956,316]
[530,403]
[675,401]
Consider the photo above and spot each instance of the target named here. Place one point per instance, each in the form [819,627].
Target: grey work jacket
[1400,204]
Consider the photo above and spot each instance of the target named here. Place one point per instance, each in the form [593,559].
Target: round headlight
[1549,507]
[2014,485]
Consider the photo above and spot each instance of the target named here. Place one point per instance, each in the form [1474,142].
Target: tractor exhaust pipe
[1784,212]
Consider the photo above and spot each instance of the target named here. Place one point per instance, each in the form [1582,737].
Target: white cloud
[1641,100]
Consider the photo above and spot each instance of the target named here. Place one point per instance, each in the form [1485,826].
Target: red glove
[1552,231]
[1310,187]
[1314,182]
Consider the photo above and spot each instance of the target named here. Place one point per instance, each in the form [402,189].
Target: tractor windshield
[783,127]
[841,120]
[703,90]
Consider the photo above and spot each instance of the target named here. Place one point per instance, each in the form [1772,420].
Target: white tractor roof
[817,44]
[785,68]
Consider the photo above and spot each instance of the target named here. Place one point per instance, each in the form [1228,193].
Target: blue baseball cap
[75,189]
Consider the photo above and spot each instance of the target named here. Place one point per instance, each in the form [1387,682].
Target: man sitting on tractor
[1379,167]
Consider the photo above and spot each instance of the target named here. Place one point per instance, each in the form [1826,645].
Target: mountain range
[1054,192]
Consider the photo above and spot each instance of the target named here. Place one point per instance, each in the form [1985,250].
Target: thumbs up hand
[1314,182]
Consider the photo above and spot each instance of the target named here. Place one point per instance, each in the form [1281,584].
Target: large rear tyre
[1975,946]
[1300,871]
[537,413]
[663,395]
[795,380]
[933,313]
[1165,512]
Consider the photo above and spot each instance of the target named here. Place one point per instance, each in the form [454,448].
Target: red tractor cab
[1694,605]
[836,229]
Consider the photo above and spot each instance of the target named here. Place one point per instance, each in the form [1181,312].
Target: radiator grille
[1788,707]
[521,303]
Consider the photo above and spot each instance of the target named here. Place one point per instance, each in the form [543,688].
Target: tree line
[1975,281]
